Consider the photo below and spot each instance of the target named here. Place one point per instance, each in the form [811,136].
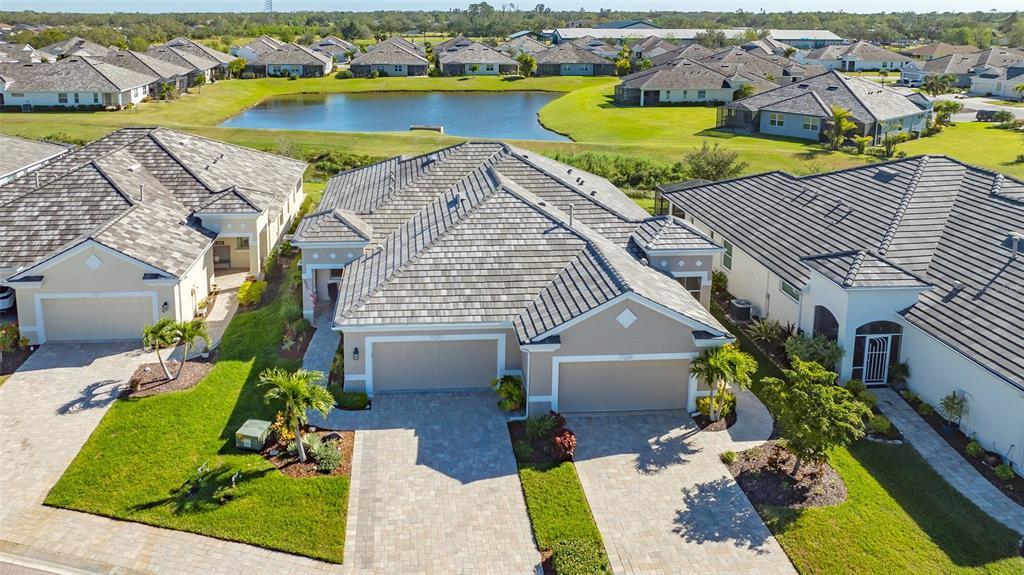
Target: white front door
[876,359]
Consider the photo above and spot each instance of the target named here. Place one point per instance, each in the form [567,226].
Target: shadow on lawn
[207,490]
[718,511]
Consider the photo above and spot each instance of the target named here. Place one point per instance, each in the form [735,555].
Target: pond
[498,115]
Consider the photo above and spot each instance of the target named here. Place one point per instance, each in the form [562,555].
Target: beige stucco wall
[194,287]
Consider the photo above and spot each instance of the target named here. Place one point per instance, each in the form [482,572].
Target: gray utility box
[252,435]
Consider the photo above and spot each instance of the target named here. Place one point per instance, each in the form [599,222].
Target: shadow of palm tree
[665,451]
[718,511]
[209,491]
[98,394]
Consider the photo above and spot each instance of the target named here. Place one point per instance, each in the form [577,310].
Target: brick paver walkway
[435,488]
[948,463]
[320,352]
[48,409]
[665,503]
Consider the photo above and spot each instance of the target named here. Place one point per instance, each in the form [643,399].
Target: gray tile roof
[292,54]
[72,74]
[671,233]
[144,64]
[480,232]
[867,101]
[930,216]
[764,65]
[960,63]
[691,51]
[76,46]
[860,50]
[862,269]
[183,58]
[18,153]
[393,51]
[568,53]
[522,44]
[685,74]
[475,53]
[200,49]
[135,191]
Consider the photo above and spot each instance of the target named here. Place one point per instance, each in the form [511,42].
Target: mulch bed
[12,360]
[1014,489]
[149,379]
[277,454]
[765,484]
[542,455]
[705,424]
[298,349]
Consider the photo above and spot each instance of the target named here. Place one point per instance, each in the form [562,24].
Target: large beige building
[134,227]
[450,269]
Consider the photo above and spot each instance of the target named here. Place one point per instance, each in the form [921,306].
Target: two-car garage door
[96,318]
[623,385]
[434,365]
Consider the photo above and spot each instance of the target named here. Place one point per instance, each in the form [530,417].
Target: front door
[876,360]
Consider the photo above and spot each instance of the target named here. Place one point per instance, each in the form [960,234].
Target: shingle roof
[94,193]
[964,63]
[929,216]
[18,153]
[73,74]
[76,45]
[807,104]
[651,42]
[144,64]
[938,50]
[691,51]
[766,66]
[182,57]
[21,53]
[475,53]
[200,49]
[860,50]
[292,54]
[522,44]
[867,101]
[393,51]
[568,53]
[264,44]
[686,74]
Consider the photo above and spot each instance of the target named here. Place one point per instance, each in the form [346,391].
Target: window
[825,324]
[777,120]
[397,68]
[17,94]
[490,67]
[811,124]
[790,290]
[76,97]
[701,94]
[62,98]
[95,97]
[727,256]
[692,285]
[241,243]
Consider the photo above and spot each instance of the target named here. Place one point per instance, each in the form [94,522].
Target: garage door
[84,319]
[623,385]
[433,365]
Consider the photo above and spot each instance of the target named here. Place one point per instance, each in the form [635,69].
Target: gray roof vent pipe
[142,189]
[1016,243]
[571,210]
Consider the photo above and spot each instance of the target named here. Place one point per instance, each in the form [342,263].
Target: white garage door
[623,385]
[96,319]
[434,365]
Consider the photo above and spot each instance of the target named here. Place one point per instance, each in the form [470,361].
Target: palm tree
[837,127]
[718,367]
[186,333]
[1019,89]
[157,336]
[937,84]
[300,393]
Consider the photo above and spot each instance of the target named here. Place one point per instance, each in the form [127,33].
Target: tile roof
[474,53]
[926,217]
[393,51]
[480,232]
[522,44]
[72,74]
[959,63]
[200,49]
[183,58]
[860,50]
[862,269]
[135,191]
[144,64]
[568,53]
[294,54]
[19,153]
[75,46]
[671,233]
[685,74]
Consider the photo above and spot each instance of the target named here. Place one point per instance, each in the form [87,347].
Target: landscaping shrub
[349,400]
[250,292]
[925,409]
[248,75]
[1005,472]
[522,450]
[285,434]
[577,556]
[564,444]
[540,427]
[726,400]
[290,310]
[818,349]
[856,386]
[327,456]
[293,78]
[728,457]
[765,330]
[719,282]
[880,424]
[510,390]
[326,163]
[345,75]
[623,171]
[908,395]
[974,449]
[868,399]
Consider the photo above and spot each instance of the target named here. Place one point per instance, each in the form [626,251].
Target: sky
[367,5]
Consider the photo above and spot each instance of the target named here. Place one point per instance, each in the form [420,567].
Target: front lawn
[556,503]
[134,465]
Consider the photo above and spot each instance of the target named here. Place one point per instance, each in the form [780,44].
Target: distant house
[72,82]
[339,50]
[766,46]
[455,43]
[964,66]
[855,57]
[999,81]
[597,47]
[21,156]
[772,67]
[937,50]
[164,73]
[650,47]
[199,66]
[800,110]
[256,47]
[691,51]
[75,46]
[392,57]
[199,49]
[522,34]
[475,59]
[522,45]
[685,81]
[290,60]
[806,39]
[571,60]
[22,54]
[627,25]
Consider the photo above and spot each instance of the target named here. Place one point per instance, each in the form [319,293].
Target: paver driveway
[665,503]
[435,488]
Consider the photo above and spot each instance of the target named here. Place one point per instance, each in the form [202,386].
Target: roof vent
[1015,241]
[643,261]
[593,192]
[804,86]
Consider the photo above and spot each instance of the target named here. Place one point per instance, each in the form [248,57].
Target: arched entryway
[876,349]
[825,324]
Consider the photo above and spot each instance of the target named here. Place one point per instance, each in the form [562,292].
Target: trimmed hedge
[577,556]
[349,400]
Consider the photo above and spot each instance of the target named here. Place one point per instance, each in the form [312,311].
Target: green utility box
[252,435]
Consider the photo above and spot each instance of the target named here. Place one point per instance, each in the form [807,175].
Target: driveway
[973,104]
[435,488]
[665,503]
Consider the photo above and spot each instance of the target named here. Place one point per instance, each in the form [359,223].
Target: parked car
[6,298]
[985,115]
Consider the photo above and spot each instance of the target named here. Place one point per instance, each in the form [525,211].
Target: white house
[72,82]
[918,260]
[855,57]
[1000,81]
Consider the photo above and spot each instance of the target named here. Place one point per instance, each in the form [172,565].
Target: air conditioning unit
[740,309]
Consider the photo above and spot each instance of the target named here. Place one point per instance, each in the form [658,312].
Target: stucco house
[75,46]
[74,82]
[134,226]
[220,71]
[918,260]
[522,44]
[395,56]
[19,156]
[571,60]
[452,268]
[1001,81]
[800,110]
[962,66]
[650,47]
[858,56]
[164,73]
[199,66]
[685,81]
[291,60]
[22,54]
[475,59]
[336,48]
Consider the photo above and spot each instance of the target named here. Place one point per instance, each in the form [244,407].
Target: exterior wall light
[163,308]
[355,353]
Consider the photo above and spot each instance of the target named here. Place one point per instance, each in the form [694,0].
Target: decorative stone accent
[626,318]
[93,262]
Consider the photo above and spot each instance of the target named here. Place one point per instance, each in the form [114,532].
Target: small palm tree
[186,333]
[1019,89]
[720,366]
[300,393]
[158,336]
[837,127]
[937,84]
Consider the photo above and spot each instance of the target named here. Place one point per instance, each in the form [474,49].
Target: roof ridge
[854,271]
[901,211]
[93,162]
[843,79]
[87,60]
[173,156]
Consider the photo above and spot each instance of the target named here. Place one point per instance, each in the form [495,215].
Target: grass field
[585,114]
[136,462]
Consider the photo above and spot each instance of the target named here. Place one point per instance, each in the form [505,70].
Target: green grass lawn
[1005,103]
[900,517]
[556,503]
[135,462]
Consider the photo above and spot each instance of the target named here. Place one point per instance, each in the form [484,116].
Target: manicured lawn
[1005,103]
[137,460]
[900,517]
[976,143]
[557,506]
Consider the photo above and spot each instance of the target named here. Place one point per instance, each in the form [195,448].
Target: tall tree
[527,63]
[720,366]
[300,393]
